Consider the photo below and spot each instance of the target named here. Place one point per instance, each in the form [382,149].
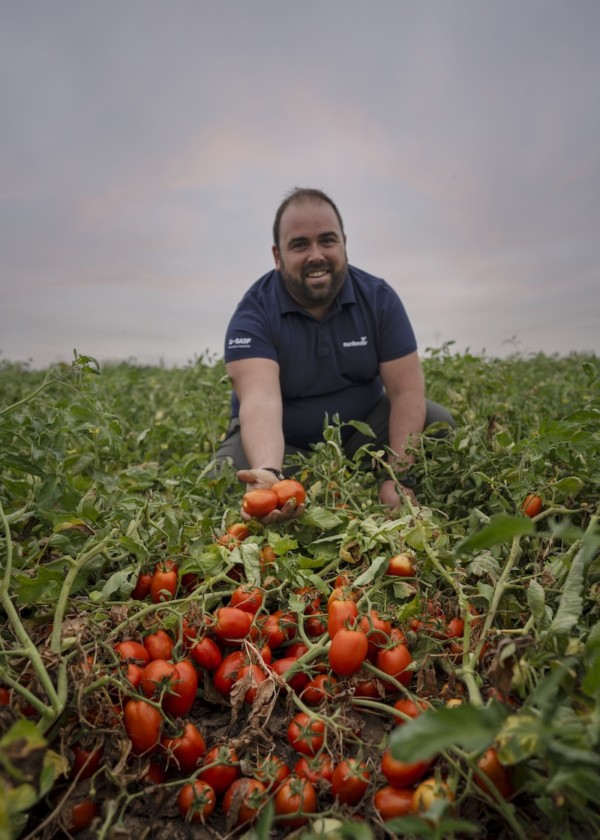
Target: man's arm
[256,383]
[405,387]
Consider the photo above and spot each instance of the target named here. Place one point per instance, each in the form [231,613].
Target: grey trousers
[231,447]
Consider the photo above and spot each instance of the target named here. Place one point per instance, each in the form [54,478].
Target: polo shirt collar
[288,304]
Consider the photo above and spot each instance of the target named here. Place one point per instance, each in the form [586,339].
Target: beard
[312,292]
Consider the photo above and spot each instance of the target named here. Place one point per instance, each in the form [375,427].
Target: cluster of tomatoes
[260,503]
[331,653]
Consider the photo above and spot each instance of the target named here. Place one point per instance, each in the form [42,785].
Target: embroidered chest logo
[362,343]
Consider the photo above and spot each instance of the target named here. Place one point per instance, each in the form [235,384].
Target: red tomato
[367,687]
[234,535]
[247,598]
[141,590]
[288,489]
[401,565]
[186,749]
[315,768]
[85,761]
[164,582]
[272,630]
[244,800]
[5,696]
[155,774]
[206,653]
[271,771]
[408,708]
[232,624]
[390,802]
[306,734]
[157,678]
[196,801]
[394,661]
[347,652]
[377,630]
[134,674]
[532,505]
[350,781]
[320,688]
[340,614]
[456,628]
[180,698]
[143,723]
[131,651]
[496,772]
[259,502]
[399,774]
[315,625]
[226,674]
[221,768]
[159,645]
[81,814]
[297,680]
[295,798]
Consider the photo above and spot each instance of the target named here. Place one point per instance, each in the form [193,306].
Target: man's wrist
[277,473]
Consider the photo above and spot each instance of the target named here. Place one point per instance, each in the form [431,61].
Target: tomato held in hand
[196,801]
[259,502]
[347,652]
[288,489]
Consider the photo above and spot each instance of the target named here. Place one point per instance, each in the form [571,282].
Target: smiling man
[318,337]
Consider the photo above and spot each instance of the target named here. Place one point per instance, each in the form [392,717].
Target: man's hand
[388,494]
[264,480]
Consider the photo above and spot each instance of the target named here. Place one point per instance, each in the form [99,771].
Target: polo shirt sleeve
[249,334]
[397,337]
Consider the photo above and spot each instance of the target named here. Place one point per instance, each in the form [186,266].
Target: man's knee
[436,413]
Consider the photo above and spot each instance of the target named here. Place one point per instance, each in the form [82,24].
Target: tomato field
[169,670]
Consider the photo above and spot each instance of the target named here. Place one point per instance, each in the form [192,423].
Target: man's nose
[314,252]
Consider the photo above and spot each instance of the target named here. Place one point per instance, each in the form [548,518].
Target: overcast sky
[146,144]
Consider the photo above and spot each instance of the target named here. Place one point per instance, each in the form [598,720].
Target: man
[314,337]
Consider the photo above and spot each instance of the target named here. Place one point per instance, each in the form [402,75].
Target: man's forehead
[308,213]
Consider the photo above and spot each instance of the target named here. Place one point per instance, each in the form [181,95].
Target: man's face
[311,257]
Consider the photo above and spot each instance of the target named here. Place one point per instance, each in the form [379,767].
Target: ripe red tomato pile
[261,690]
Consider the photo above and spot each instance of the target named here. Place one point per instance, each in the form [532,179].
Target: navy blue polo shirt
[329,366]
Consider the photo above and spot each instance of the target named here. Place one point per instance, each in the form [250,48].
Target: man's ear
[277,257]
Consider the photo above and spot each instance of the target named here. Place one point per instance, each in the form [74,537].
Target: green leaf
[568,486]
[371,572]
[321,518]
[467,726]
[15,462]
[502,529]
[536,601]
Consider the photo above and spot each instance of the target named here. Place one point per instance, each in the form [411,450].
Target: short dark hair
[302,194]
